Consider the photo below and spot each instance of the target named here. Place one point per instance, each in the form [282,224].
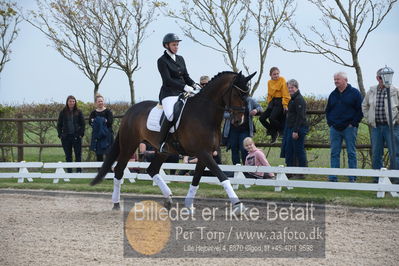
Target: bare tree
[344,30]
[224,24]
[75,34]
[8,30]
[126,23]
[269,16]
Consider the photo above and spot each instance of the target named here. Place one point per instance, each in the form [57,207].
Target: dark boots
[165,127]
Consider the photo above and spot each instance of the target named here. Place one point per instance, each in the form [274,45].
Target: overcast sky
[38,74]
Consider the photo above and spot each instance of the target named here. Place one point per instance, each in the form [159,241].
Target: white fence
[383,186]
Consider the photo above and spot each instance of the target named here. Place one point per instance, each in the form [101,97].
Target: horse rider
[175,80]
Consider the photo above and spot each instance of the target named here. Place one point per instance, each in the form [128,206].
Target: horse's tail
[110,158]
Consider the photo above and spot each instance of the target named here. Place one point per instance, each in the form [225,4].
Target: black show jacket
[174,75]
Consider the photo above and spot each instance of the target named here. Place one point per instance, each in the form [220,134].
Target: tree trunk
[131,87]
[96,88]
[40,153]
[359,75]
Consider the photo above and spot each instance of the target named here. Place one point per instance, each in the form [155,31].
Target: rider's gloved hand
[190,89]
[197,87]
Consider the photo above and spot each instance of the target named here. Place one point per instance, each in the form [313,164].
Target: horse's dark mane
[222,73]
[210,83]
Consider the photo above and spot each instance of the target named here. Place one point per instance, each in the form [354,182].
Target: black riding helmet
[170,37]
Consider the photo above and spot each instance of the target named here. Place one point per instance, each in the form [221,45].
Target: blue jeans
[336,137]
[295,154]
[236,138]
[380,135]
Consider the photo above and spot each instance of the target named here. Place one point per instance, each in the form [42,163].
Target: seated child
[255,157]
[194,160]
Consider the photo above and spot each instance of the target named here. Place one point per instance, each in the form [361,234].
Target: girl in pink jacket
[255,157]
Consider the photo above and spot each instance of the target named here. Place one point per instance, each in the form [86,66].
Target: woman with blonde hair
[101,120]
[175,80]
[255,157]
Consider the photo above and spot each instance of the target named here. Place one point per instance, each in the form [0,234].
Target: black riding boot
[165,127]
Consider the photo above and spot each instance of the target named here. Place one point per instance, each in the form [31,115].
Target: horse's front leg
[192,191]
[209,162]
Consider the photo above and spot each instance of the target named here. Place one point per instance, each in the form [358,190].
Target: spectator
[71,129]
[194,160]
[375,110]
[101,120]
[134,158]
[235,135]
[296,128]
[277,99]
[343,112]
[147,154]
[255,157]
[203,81]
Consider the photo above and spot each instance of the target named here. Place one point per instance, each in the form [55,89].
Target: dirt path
[55,228]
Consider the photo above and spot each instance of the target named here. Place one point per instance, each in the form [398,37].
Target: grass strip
[329,196]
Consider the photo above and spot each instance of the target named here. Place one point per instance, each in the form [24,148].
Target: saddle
[157,115]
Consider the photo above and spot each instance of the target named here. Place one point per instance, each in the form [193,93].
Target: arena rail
[383,186]
[23,171]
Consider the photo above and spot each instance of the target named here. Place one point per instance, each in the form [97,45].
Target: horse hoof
[95,181]
[116,207]
[168,202]
[191,209]
[239,209]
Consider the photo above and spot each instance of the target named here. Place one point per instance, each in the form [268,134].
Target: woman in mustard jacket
[277,99]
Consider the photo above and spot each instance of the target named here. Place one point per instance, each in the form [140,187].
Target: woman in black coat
[71,129]
[175,80]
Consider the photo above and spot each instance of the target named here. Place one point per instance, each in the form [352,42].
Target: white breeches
[168,103]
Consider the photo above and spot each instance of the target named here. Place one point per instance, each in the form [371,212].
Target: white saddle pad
[155,116]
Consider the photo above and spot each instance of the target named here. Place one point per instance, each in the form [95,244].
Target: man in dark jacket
[296,128]
[344,113]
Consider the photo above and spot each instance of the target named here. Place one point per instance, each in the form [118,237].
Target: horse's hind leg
[125,154]
[192,191]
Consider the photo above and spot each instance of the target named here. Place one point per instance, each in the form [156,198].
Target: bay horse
[199,134]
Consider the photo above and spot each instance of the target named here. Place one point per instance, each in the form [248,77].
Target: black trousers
[70,142]
[275,114]
[99,157]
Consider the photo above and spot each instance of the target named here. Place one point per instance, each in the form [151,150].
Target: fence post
[20,136]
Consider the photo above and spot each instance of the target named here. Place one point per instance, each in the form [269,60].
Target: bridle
[228,107]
